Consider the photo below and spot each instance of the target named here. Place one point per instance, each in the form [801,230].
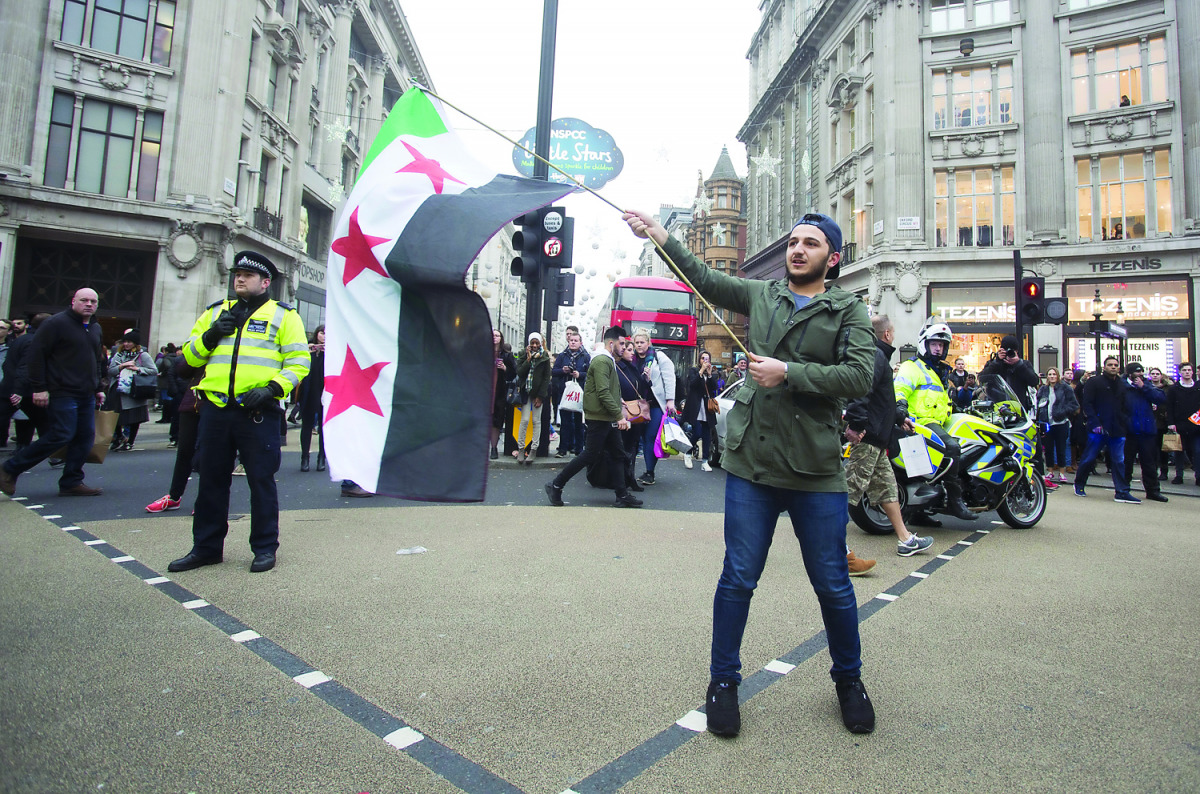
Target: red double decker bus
[663,306]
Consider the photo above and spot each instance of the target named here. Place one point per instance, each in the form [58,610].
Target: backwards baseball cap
[255,263]
[832,232]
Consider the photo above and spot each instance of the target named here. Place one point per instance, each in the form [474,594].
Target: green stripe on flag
[415,115]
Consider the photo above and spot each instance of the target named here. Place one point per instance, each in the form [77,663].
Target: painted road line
[195,604]
[245,636]
[887,597]
[126,558]
[783,668]
[693,721]
[156,580]
[95,542]
[405,737]
[310,679]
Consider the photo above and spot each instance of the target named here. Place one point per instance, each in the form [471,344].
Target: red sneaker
[165,503]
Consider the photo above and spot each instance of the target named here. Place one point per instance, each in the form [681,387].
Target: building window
[274,70]
[147,177]
[991,12]
[947,15]
[972,97]
[1119,75]
[58,149]
[1112,195]
[105,148]
[722,198]
[250,63]
[119,26]
[72,25]
[164,33]
[970,204]
[1077,4]
[315,222]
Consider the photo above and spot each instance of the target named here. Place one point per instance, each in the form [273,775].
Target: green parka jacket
[602,390]
[788,436]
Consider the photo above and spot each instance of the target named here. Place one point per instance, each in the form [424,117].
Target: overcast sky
[668,79]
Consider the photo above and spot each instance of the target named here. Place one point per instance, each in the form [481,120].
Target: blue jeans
[649,434]
[1116,461]
[71,421]
[570,432]
[819,521]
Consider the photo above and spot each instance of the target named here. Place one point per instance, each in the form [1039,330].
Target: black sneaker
[1177,480]
[628,500]
[647,478]
[1156,497]
[555,494]
[635,486]
[857,712]
[562,453]
[722,710]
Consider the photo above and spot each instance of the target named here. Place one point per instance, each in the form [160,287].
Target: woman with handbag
[657,370]
[135,381]
[700,410]
[533,372]
[635,401]
[506,370]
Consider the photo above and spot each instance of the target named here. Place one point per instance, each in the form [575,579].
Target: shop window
[1119,75]
[972,97]
[1112,194]
[975,207]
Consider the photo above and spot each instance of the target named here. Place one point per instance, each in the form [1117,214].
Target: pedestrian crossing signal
[1031,301]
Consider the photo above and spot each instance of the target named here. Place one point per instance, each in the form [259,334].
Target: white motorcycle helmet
[934,331]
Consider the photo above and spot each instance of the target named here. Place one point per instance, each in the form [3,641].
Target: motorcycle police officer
[921,391]
[254,351]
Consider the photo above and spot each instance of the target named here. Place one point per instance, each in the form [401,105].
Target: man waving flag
[408,356]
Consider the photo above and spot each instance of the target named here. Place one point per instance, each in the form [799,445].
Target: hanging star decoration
[430,168]
[356,248]
[335,131]
[703,204]
[765,164]
[353,387]
[719,233]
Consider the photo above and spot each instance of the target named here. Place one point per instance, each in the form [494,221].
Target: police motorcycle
[997,438]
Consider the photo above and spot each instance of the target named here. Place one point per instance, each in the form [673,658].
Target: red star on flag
[356,247]
[430,168]
[353,387]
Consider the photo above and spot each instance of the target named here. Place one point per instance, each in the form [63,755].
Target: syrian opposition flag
[409,366]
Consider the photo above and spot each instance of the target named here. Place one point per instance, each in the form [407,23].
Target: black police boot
[954,500]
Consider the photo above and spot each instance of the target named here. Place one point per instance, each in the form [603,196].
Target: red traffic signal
[1031,301]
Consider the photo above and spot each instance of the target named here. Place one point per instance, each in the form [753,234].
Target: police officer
[921,391]
[254,352]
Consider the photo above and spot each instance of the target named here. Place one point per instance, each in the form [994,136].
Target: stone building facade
[717,236]
[947,135]
[143,142]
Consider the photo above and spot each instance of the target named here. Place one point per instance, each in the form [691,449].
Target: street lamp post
[1121,350]
[1097,311]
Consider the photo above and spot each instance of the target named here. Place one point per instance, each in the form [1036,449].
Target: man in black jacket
[65,366]
[1105,405]
[1014,370]
[14,389]
[870,420]
[1183,403]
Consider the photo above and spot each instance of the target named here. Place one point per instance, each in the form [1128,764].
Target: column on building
[204,150]
[899,76]
[21,41]
[339,58]
[1187,15]
[1041,120]
[376,72]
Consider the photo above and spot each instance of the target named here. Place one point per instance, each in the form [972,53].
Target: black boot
[303,461]
[954,499]
[320,461]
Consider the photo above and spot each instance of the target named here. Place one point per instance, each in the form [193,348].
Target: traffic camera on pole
[1031,300]
[527,245]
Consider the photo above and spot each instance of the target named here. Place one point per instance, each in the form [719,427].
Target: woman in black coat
[506,370]
[633,387]
[311,411]
[701,385]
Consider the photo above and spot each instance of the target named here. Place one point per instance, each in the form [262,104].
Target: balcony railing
[268,223]
[848,251]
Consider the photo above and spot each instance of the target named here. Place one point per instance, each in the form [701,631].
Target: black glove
[262,397]
[222,327]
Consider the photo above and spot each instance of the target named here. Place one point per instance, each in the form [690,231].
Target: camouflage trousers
[868,471]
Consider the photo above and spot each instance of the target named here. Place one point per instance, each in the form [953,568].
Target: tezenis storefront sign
[1113,265]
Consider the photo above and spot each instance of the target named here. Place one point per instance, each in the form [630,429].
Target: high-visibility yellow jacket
[922,388]
[269,347]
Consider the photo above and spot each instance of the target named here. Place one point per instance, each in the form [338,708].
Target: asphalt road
[533,649]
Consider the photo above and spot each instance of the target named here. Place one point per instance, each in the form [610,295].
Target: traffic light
[558,233]
[560,291]
[527,245]
[1056,311]
[1031,301]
